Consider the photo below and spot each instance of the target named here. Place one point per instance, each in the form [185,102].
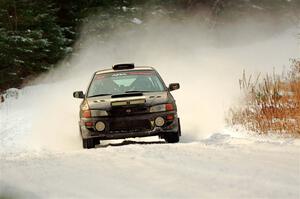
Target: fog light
[159,121]
[100,126]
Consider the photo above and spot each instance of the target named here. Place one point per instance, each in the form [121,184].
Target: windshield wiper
[99,95]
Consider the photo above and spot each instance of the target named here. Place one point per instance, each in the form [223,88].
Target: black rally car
[127,101]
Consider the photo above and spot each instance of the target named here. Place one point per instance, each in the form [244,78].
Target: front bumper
[170,126]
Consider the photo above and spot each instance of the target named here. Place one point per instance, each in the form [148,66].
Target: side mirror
[78,94]
[174,86]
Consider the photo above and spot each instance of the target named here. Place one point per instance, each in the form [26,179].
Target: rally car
[127,102]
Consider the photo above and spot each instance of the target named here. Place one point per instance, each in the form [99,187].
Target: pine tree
[31,41]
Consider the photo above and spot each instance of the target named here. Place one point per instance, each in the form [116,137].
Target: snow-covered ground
[40,149]
[218,167]
[222,165]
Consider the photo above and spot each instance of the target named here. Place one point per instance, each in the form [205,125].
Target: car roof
[137,68]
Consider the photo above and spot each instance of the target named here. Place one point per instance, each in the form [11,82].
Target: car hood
[104,102]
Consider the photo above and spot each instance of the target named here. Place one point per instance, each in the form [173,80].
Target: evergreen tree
[31,41]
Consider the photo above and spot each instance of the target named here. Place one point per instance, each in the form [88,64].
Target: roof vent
[123,66]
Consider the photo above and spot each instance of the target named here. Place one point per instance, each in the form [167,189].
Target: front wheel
[171,137]
[88,143]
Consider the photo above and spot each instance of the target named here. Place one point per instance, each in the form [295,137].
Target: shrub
[271,104]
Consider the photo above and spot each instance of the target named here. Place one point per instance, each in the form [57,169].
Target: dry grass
[271,104]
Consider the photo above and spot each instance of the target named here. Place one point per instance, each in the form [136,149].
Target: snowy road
[41,154]
[218,167]
[41,158]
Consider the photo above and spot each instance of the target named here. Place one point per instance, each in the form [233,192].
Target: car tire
[88,143]
[179,128]
[171,137]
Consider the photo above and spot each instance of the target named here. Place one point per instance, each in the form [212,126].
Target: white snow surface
[218,167]
[136,21]
[222,165]
[40,148]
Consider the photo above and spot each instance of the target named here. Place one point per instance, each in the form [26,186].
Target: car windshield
[125,82]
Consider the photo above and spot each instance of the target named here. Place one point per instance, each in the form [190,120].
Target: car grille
[130,126]
[123,111]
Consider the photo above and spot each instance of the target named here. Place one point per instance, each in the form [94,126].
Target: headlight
[93,113]
[158,108]
[99,113]
[100,126]
[161,108]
